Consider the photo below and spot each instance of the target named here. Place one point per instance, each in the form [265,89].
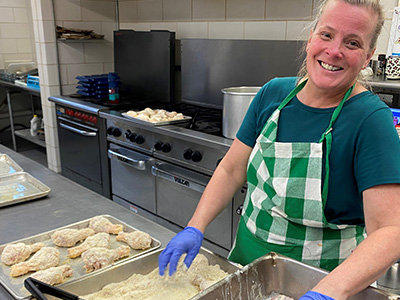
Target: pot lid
[242,90]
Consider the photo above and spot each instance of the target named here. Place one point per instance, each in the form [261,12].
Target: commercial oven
[83,148]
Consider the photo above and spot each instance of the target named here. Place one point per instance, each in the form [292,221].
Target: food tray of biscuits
[8,166]
[94,244]
[156,117]
[20,187]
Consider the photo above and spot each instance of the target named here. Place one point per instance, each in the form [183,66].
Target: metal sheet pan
[140,265]
[8,166]
[184,120]
[280,274]
[20,187]
[15,286]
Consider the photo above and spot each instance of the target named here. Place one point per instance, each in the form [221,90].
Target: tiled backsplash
[16,34]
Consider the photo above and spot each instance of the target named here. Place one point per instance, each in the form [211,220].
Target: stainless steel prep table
[24,133]
[67,203]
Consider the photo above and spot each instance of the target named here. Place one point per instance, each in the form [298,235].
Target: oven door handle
[137,164]
[177,179]
[78,131]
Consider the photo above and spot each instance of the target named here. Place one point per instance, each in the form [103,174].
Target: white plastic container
[35,125]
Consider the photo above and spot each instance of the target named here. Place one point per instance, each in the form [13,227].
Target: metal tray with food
[156,117]
[277,274]
[8,166]
[20,187]
[142,265]
[15,285]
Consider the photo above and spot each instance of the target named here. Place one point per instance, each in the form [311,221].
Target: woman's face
[339,47]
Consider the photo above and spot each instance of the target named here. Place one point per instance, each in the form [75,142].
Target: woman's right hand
[311,295]
[187,241]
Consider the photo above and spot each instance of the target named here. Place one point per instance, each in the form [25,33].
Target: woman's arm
[229,176]
[376,253]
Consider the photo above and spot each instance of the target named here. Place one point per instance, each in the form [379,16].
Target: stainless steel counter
[67,203]
[382,85]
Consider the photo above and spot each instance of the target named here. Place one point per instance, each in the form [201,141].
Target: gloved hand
[310,295]
[187,241]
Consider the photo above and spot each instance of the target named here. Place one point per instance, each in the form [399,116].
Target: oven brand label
[182,181]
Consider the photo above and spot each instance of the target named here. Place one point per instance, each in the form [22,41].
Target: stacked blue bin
[93,86]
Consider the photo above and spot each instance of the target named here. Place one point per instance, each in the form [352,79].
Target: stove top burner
[204,119]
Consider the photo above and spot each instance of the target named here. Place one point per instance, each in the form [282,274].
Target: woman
[319,171]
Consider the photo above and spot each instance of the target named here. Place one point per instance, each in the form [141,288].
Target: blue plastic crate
[33,82]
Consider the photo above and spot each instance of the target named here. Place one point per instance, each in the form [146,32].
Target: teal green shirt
[365,147]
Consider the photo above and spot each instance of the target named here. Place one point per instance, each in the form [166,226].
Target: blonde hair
[374,5]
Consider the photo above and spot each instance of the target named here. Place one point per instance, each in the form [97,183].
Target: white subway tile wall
[128,11]
[198,30]
[265,30]
[210,10]
[226,30]
[245,10]
[177,10]
[288,9]
[150,10]
[98,10]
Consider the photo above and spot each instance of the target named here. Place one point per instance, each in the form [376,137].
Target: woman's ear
[309,39]
[369,56]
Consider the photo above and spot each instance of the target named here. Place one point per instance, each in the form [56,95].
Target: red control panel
[83,117]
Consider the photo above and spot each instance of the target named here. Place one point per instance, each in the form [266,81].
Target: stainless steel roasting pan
[280,274]
[141,265]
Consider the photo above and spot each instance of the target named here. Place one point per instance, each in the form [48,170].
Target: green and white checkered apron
[284,207]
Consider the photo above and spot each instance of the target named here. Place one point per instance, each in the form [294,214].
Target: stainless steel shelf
[26,134]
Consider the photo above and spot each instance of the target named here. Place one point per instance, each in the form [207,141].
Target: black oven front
[83,149]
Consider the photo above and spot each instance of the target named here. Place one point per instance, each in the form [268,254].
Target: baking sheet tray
[20,187]
[184,120]
[8,166]
[15,286]
[140,265]
[280,274]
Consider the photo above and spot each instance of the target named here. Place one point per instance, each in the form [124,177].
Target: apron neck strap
[293,93]
[327,136]
[337,112]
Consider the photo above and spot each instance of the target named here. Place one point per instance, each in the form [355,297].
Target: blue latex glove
[310,295]
[187,241]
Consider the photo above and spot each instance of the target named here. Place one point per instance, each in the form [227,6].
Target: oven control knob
[139,139]
[158,146]
[110,130]
[196,157]
[166,148]
[113,130]
[132,137]
[116,132]
[187,154]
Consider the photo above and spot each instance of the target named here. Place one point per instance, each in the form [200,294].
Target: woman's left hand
[311,295]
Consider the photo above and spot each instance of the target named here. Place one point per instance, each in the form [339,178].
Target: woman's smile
[329,67]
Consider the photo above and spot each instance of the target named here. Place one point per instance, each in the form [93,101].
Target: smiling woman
[340,45]
[314,153]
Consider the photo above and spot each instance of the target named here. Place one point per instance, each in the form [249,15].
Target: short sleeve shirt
[365,144]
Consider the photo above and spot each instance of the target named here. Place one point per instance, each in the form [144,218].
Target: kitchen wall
[16,34]
[87,57]
[232,19]
[60,62]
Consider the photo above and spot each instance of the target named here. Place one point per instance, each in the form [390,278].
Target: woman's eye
[353,44]
[325,35]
